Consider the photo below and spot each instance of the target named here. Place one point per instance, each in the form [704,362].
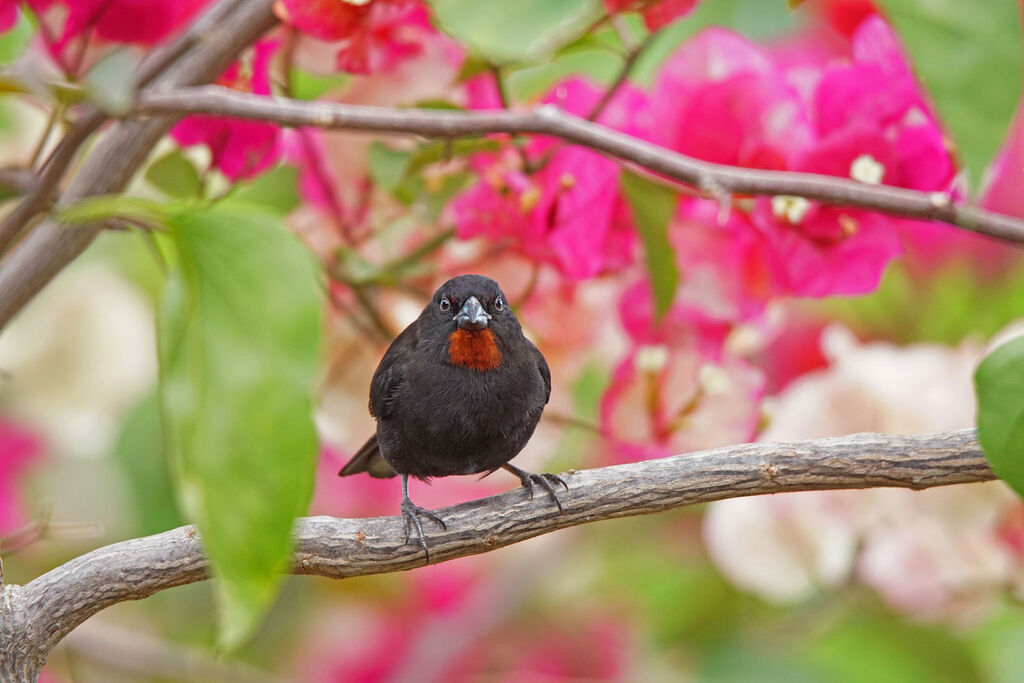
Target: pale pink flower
[943,553]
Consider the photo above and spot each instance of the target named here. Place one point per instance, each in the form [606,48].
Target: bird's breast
[474,350]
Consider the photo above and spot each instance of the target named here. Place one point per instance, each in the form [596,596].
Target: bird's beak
[472,316]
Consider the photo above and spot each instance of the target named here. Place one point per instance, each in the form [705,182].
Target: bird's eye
[446,305]
[498,304]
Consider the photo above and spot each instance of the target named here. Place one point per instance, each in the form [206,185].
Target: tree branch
[549,120]
[201,56]
[34,617]
[41,192]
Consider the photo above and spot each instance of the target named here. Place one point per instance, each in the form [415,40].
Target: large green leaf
[175,175]
[277,190]
[968,55]
[999,382]
[514,31]
[238,333]
[140,452]
[652,206]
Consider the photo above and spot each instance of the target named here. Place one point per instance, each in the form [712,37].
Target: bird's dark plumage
[459,391]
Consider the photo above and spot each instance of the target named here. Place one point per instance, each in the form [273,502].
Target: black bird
[459,391]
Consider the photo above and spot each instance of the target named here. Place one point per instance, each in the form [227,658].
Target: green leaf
[472,66]
[14,41]
[238,340]
[106,206]
[866,645]
[388,166]
[277,190]
[306,85]
[110,84]
[175,175]
[438,151]
[968,55]
[653,206]
[140,452]
[518,31]
[999,383]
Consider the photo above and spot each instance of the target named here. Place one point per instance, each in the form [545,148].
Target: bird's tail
[368,459]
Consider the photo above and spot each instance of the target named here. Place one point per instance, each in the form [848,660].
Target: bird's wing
[545,372]
[391,372]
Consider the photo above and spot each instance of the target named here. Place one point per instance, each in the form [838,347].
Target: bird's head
[474,313]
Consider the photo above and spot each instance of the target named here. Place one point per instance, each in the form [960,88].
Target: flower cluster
[859,114]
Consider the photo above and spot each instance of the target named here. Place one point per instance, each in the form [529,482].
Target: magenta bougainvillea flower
[119,21]
[374,35]
[17,450]
[8,14]
[239,149]
[568,211]
[656,13]
[865,118]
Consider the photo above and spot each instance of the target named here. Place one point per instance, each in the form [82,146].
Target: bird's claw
[411,513]
[545,480]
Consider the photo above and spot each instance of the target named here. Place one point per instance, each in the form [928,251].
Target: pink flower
[665,399]
[17,450]
[323,19]
[844,16]
[730,268]
[373,36]
[724,100]
[119,21]
[318,183]
[656,13]
[569,211]
[678,389]
[239,149]
[8,14]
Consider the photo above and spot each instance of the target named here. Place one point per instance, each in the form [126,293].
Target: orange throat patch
[474,350]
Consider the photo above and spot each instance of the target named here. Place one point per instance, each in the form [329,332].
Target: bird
[458,392]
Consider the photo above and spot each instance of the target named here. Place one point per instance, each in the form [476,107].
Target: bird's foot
[546,480]
[411,513]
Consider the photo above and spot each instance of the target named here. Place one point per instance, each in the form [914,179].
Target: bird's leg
[412,512]
[545,480]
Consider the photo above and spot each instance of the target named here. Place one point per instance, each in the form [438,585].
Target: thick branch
[202,57]
[715,179]
[53,604]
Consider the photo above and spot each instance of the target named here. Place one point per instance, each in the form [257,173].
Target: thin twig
[571,421]
[622,77]
[549,120]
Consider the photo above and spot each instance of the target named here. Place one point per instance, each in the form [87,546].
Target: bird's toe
[411,513]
